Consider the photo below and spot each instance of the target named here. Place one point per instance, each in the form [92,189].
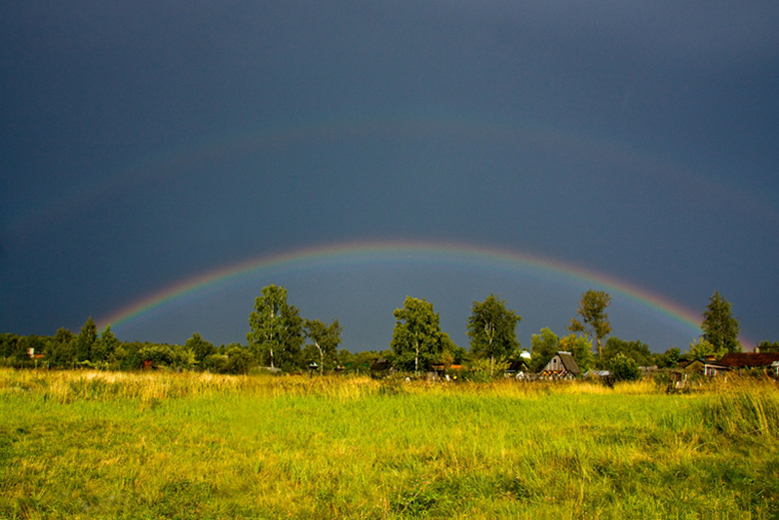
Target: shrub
[215,363]
[624,368]
[239,361]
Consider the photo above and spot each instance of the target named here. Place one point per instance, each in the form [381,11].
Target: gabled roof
[516,366]
[380,364]
[748,359]
[566,359]
[569,363]
[694,364]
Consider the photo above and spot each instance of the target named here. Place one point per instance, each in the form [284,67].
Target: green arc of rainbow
[344,254]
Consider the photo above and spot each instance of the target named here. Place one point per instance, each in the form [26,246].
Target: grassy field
[141,445]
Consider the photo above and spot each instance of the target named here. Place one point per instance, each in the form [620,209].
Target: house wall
[555,364]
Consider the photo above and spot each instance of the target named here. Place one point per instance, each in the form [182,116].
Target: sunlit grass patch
[152,445]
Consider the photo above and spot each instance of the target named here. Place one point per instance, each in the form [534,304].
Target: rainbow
[398,252]
[181,160]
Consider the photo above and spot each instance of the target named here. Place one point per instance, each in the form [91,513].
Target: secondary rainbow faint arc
[400,251]
[179,160]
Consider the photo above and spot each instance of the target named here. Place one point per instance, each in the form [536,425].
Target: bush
[239,361]
[624,368]
[215,363]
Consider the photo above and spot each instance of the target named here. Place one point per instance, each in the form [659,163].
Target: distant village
[280,341]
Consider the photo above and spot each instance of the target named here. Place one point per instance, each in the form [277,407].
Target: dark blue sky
[146,143]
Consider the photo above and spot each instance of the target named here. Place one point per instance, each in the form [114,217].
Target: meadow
[85,444]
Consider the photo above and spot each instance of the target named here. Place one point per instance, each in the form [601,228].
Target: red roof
[748,359]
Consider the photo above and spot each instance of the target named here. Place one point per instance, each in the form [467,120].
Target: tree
[8,344]
[581,349]
[276,328]
[703,348]
[595,321]
[767,346]
[62,347]
[492,329]
[544,346]
[104,347]
[635,350]
[239,360]
[200,347]
[624,368]
[719,327]
[450,352]
[325,339]
[85,340]
[669,358]
[416,340]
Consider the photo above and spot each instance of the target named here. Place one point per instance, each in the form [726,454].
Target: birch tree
[595,321]
[276,333]
[417,338]
[719,327]
[325,339]
[492,329]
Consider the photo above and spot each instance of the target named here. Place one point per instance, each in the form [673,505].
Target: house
[737,361]
[381,367]
[516,369]
[696,365]
[562,365]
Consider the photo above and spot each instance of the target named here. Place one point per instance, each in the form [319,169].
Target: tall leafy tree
[635,350]
[544,346]
[239,360]
[200,347]
[492,329]
[276,333]
[62,347]
[85,340]
[417,338]
[719,327]
[450,352]
[325,339]
[624,368]
[768,346]
[106,344]
[594,320]
[8,344]
[703,348]
[581,349]
[669,358]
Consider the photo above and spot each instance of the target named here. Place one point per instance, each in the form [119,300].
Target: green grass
[137,445]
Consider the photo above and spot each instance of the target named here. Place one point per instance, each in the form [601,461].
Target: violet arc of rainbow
[345,254]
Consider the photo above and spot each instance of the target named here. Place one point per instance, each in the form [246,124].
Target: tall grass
[744,408]
[166,445]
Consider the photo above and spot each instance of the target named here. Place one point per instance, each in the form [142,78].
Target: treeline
[280,339]
[103,351]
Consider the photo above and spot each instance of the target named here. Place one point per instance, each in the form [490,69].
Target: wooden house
[738,361]
[693,365]
[562,365]
[381,367]
[516,369]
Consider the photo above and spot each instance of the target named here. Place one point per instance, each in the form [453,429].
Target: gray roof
[569,363]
